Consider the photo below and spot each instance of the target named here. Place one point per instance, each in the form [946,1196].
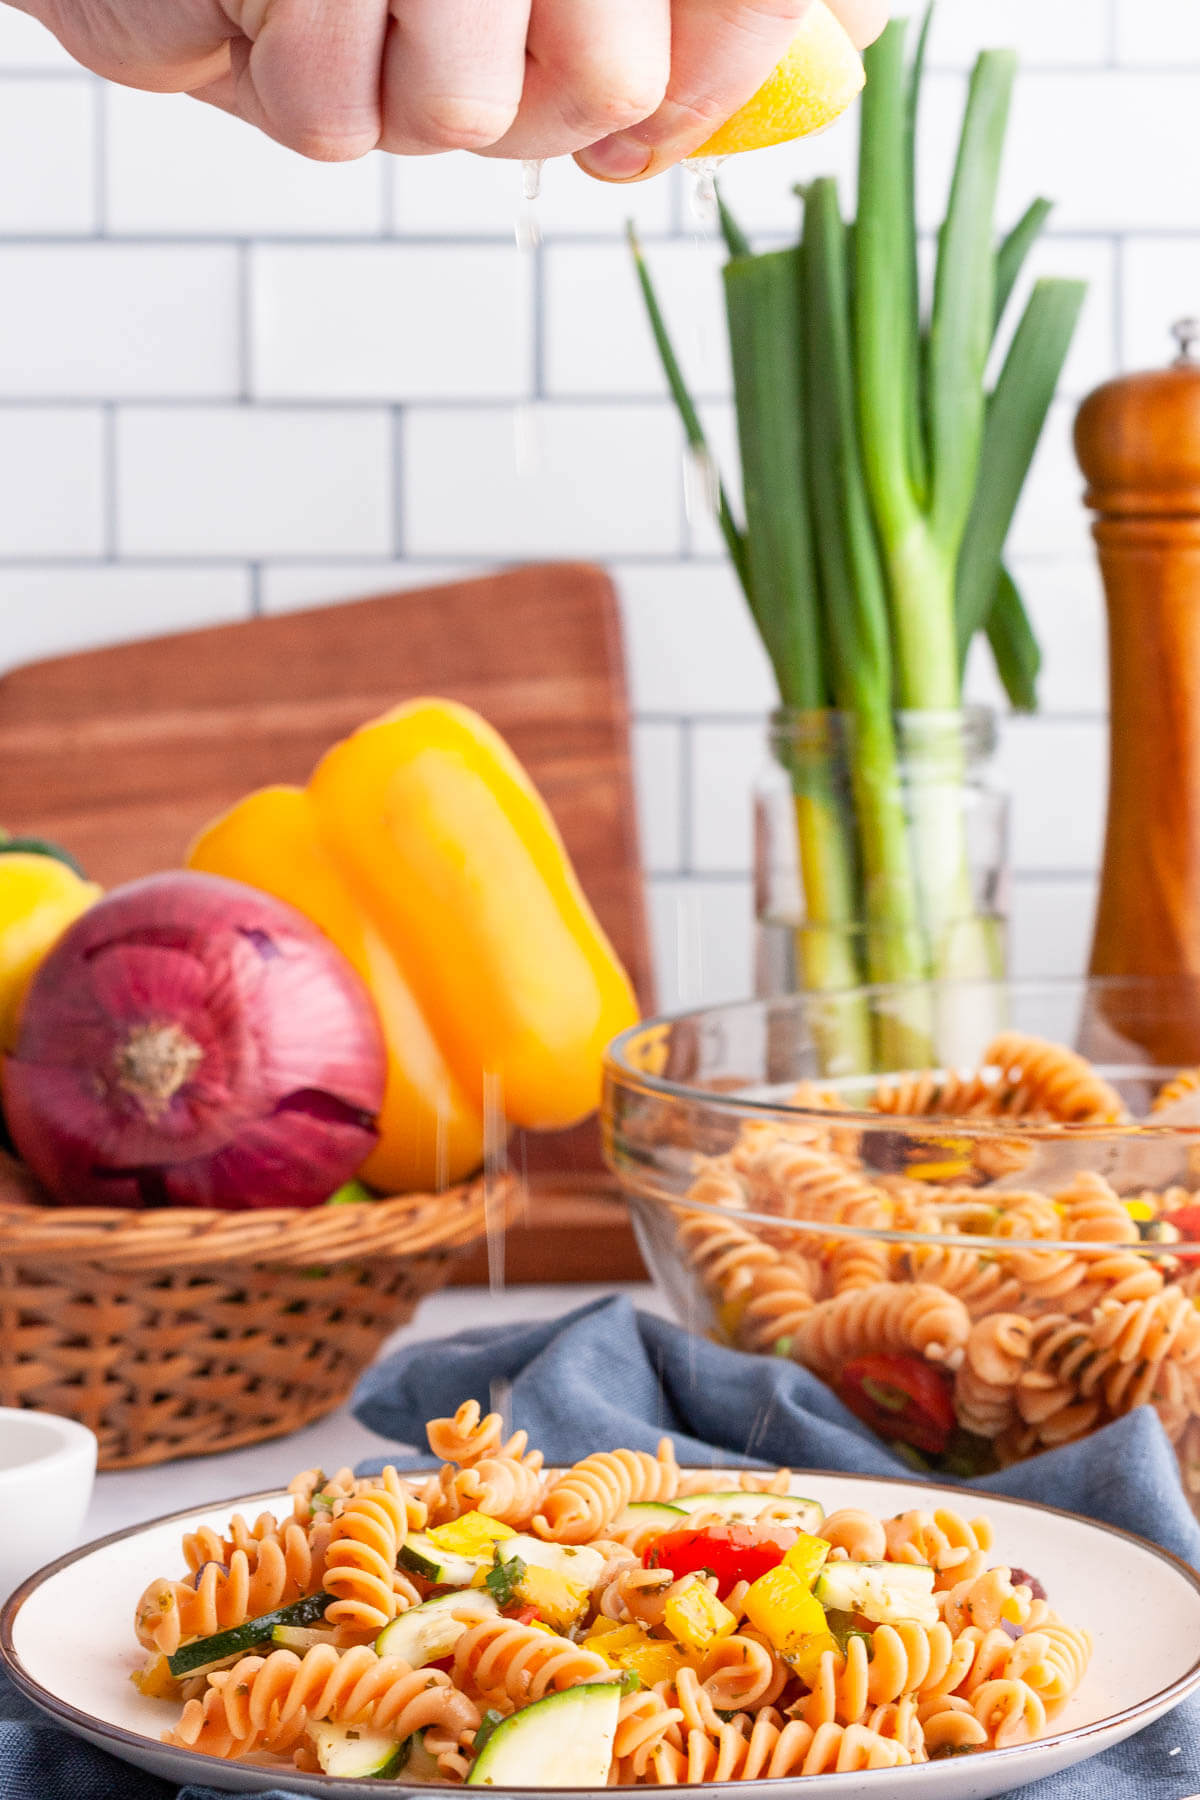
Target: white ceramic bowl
[47,1466]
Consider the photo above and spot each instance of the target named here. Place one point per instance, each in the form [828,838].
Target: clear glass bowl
[1001,1261]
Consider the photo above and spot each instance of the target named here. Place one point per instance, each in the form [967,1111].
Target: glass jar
[880,857]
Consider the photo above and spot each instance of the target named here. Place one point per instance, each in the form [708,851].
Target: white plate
[67,1639]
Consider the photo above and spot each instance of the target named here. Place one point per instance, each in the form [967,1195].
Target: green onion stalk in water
[880,476]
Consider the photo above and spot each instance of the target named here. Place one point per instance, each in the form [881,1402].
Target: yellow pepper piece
[729,1317]
[423,850]
[155,1680]
[1140,1211]
[781,1607]
[39,897]
[1012,1610]
[805,1656]
[629,1647]
[472,1534]
[613,1640]
[602,1627]
[654,1661]
[695,1617]
[560,1602]
[806,1557]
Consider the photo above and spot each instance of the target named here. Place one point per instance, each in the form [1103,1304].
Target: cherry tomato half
[900,1397]
[1186,1219]
[733,1552]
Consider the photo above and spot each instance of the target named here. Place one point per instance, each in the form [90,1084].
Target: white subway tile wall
[233,381]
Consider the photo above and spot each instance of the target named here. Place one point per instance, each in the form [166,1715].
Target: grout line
[686,797]
[108,478]
[387,196]
[1118,303]
[31,72]
[537,319]
[768,236]
[318,403]
[245,325]
[100,154]
[398,511]
[677,207]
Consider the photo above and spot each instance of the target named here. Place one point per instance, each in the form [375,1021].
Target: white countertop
[130,1497]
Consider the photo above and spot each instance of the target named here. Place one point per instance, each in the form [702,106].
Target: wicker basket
[179,1332]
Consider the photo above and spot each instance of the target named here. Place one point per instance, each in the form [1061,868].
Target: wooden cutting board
[123,753]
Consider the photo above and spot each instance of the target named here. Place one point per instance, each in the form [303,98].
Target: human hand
[626,83]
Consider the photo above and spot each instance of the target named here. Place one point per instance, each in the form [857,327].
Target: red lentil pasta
[711,1640]
[998,1350]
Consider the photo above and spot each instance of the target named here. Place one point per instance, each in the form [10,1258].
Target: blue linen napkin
[605,1376]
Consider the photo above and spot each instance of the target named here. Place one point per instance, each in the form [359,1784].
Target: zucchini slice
[563,1741]
[354,1751]
[427,1632]
[648,1512]
[240,1639]
[574,1562]
[887,1593]
[736,1503]
[448,1569]
[301,1637]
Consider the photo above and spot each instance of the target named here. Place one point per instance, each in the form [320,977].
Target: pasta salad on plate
[620,1622]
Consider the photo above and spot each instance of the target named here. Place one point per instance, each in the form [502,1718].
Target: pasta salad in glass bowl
[973,1209]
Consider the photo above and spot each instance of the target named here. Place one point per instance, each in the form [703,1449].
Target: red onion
[193,1042]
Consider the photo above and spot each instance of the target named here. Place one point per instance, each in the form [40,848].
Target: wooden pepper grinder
[1138,444]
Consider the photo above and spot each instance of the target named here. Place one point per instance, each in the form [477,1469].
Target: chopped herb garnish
[503,1580]
[488,1724]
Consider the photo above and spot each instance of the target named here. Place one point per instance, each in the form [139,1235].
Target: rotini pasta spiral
[582,1503]
[266,1701]
[956,1548]
[468,1438]
[741,1673]
[645,1722]
[1184,1085]
[506,1661]
[1049,1080]
[360,1562]
[914,1317]
[283,1568]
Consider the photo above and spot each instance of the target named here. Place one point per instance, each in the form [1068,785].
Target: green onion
[880,479]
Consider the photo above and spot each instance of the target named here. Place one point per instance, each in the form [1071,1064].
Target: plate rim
[770,1787]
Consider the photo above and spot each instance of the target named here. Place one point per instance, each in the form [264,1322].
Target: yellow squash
[422,849]
[39,897]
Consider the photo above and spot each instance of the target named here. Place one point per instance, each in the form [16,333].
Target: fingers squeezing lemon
[813,85]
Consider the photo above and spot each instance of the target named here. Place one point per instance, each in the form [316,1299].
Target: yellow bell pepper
[806,1557]
[422,849]
[601,1626]
[156,1680]
[804,1657]
[695,1617]
[559,1601]
[781,1607]
[629,1647]
[39,897]
[471,1534]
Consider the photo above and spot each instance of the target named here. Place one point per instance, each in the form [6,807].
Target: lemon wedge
[809,89]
